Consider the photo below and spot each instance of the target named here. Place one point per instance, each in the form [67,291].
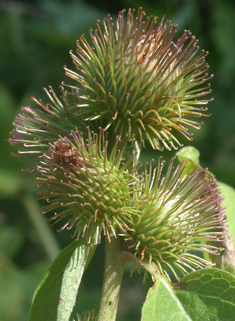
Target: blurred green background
[36,37]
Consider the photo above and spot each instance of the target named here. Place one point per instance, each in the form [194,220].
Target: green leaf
[229,193]
[162,303]
[191,155]
[71,281]
[227,259]
[208,294]
[61,279]
[205,295]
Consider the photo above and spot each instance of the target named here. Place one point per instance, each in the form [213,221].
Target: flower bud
[139,81]
[178,216]
[88,187]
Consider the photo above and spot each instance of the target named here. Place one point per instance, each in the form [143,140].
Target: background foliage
[36,37]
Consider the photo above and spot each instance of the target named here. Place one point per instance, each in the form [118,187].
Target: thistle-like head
[140,81]
[178,216]
[86,186]
[137,80]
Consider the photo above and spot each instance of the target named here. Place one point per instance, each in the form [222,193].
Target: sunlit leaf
[59,285]
[204,295]
[162,303]
[191,156]
[208,294]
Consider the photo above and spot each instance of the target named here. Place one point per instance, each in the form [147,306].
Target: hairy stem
[115,262]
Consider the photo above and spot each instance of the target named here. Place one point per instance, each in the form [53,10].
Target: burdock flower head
[140,81]
[137,82]
[179,216]
[85,185]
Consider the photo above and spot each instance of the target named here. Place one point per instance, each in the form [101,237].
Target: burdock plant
[136,81]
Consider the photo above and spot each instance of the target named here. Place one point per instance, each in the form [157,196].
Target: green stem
[151,268]
[115,262]
[42,228]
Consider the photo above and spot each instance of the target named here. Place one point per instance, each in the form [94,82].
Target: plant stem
[43,229]
[115,262]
